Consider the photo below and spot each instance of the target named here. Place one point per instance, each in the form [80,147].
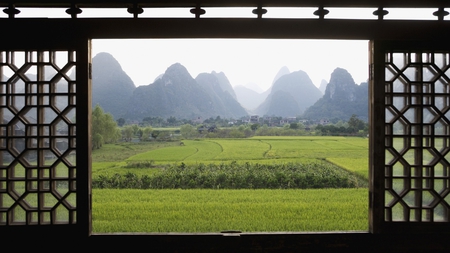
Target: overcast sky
[242,60]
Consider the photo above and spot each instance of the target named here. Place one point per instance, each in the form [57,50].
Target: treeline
[106,130]
[353,126]
[237,176]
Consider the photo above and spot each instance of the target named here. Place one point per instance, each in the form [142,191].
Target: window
[419,212]
[239,61]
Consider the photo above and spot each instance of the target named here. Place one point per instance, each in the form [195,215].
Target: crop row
[201,210]
[235,175]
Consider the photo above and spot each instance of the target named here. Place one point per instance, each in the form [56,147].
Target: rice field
[247,210]
[197,211]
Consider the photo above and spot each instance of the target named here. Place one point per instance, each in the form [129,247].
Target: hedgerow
[237,176]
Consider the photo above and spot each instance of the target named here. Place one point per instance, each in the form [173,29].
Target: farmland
[181,208]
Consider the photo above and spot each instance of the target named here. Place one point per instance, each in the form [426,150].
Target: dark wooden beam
[224,28]
[232,3]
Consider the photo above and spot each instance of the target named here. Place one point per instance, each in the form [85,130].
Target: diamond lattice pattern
[37,143]
[417,90]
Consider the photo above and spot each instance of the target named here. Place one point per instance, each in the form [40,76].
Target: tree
[127,133]
[155,134]
[146,133]
[355,124]
[135,129]
[293,126]
[187,131]
[171,120]
[254,126]
[104,128]
[121,122]
[97,141]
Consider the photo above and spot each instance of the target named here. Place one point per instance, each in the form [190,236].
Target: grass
[257,149]
[218,210]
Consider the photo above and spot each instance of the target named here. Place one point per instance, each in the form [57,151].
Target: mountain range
[176,93]
[342,98]
[290,95]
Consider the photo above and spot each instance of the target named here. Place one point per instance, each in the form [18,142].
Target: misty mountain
[253,86]
[177,94]
[296,86]
[224,83]
[249,98]
[323,86]
[283,104]
[218,88]
[342,98]
[111,86]
[283,71]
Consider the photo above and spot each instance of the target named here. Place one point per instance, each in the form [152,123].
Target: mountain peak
[111,86]
[106,58]
[283,71]
[341,85]
[176,73]
[323,86]
[299,87]
[343,98]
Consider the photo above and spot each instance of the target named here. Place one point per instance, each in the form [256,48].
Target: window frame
[79,37]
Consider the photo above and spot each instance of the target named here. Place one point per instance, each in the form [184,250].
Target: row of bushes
[237,176]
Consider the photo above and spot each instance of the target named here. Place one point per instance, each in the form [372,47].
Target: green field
[250,210]
[219,210]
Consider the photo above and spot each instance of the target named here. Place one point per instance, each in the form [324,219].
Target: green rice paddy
[247,210]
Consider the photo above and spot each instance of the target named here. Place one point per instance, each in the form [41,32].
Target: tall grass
[218,210]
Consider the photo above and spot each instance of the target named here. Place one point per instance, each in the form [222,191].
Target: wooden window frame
[76,34]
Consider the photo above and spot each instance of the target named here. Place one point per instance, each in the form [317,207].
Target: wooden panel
[225,3]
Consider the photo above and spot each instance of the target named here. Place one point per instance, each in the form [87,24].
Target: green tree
[355,124]
[147,133]
[188,131]
[128,133]
[135,129]
[293,126]
[155,134]
[104,128]
[171,120]
[97,141]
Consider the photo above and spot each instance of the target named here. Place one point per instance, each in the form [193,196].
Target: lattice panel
[417,131]
[37,144]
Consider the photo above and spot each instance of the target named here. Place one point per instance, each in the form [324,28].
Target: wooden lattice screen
[37,144]
[417,100]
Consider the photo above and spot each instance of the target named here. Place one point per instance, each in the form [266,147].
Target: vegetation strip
[238,176]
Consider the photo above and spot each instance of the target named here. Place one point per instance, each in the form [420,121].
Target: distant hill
[111,86]
[323,86]
[224,83]
[252,86]
[342,98]
[218,88]
[296,86]
[283,104]
[283,71]
[177,94]
[248,98]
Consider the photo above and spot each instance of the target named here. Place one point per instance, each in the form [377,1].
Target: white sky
[242,60]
